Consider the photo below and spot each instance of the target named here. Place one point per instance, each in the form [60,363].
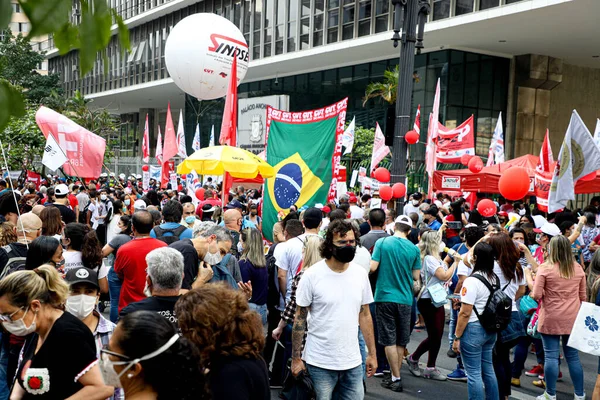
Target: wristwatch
[457,337]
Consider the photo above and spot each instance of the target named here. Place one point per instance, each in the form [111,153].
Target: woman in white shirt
[472,341]
[82,247]
[433,271]
[513,284]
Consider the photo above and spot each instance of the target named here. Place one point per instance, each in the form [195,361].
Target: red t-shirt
[73,201]
[130,265]
[451,232]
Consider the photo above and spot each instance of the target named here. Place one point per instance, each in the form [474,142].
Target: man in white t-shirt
[336,293]
[355,211]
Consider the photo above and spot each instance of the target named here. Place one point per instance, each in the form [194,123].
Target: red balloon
[399,190]
[514,183]
[486,207]
[145,168]
[382,174]
[184,177]
[475,165]
[385,192]
[411,137]
[588,177]
[200,193]
[465,158]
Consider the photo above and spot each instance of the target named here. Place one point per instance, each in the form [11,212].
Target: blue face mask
[190,219]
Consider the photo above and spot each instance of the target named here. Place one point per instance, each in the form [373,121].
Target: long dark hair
[484,259]
[126,220]
[174,373]
[51,221]
[507,255]
[84,239]
[456,210]
[521,231]
[41,250]
[341,227]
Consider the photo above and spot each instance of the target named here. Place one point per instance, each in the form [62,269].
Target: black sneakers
[393,386]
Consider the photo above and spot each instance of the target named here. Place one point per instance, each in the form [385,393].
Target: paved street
[419,388]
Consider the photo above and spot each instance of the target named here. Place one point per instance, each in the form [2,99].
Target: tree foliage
[385,90]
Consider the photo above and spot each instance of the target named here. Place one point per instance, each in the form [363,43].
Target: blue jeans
[363,352]
[551,350]
[452,241]
[261,310]
[114,290]
[4,379]
[451,332]
[341,385]
[522,349]
[476,346]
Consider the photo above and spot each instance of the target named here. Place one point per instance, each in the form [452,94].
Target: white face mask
[107,369]
[102,197]
[81,305]
[415,203]
[213,258]
[522,212]
[127,202]
[18,327]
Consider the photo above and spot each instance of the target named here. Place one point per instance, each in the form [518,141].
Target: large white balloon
[199,53]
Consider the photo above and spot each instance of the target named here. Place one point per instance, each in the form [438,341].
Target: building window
[257,29]
[382,8]
[268,32]
[16,7]
[318,30]
[279,27]
[24,27]
[485,4]
[348,20]
[364,18]
[292,18]
[464,7]
[512,1]
[333,20]
[441,9]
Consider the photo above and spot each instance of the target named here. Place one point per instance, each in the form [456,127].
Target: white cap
[319,206]
[404,219]
[61,190]
[138,176]
[122,176]
[112,174]
[549,229]
[139,205]
[103,175]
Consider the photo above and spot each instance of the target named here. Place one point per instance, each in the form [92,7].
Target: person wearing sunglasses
[59,355]
[150,360]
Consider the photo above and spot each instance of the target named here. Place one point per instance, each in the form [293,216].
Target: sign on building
[252,116]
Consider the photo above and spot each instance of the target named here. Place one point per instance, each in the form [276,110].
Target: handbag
[532,326]
[437,291]
[527,305]
[585,335]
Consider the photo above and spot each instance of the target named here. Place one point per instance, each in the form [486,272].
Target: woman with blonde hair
[556,283]
[433,271]
[252,267]
[59,356]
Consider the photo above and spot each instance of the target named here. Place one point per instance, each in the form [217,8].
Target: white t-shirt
[72,260]
[513,286]
[363,258]
[288,256]
[93,208]
[409,208]
[113,229]
[463,270]
[430,265]
[475,293]
[334,299]
[356,212]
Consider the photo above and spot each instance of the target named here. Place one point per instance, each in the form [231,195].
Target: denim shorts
[515,328]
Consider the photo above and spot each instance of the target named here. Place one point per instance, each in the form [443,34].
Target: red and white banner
[336,109]
[35,178]
[380,150]
[84,149]
[432,134]
[170,144]
[452,144]
[146,142]
[543,174]
[159,151]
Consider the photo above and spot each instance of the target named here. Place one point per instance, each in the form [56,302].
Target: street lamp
[407,15]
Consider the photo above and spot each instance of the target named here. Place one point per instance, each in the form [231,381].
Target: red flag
[229,125]
[432,134]
[170,145]
[84,149]
[452,144]
[34,177]
[146,142]
[417,124]
[543,175]
[167,168]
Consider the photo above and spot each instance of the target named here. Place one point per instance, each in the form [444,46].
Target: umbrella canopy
[217,160]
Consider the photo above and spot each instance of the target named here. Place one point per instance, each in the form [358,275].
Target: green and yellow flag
[303,148]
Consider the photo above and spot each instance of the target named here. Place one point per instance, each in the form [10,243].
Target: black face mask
[344,254]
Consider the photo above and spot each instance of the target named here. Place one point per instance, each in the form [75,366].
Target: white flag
[380,150]
[597,133]
[348,137]
[54,156]
[578,157]
[181,147]
[496,153]
[212,136]
[196,142]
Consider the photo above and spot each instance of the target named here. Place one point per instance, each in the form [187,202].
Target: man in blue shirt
[430,218]
[171,230]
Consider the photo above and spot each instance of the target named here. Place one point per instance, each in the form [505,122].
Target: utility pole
[408,14]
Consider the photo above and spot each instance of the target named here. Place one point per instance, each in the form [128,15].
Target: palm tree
[386,90]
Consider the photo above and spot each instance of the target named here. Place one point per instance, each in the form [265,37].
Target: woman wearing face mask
[434,270]
[44,250]
[150,360]
[252,266]
[82,247]
[59,356]
[112,228]
[110,251]
[253,216]
[84,294]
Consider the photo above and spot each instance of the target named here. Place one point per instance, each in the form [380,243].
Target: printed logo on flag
[294,183]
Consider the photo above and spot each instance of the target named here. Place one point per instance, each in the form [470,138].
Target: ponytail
[43,283]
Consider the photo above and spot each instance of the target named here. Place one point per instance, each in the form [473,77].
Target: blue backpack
[221,273]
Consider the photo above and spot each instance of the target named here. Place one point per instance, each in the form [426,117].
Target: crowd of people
[109,291]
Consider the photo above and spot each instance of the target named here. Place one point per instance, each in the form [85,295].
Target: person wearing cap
[61,201]
[543,237]
[84,295]
[28,228]
[288,255]
[139,205]
[412,206]
[355,211]
[430,218]
[398,263]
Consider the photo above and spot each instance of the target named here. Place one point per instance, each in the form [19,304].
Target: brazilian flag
[301,154]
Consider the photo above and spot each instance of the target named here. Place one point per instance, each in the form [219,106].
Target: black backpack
[272,291]
[497,312]
[14,263]
[175,233]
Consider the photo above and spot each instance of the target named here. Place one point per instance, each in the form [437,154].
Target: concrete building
[20,24]
[532,60]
